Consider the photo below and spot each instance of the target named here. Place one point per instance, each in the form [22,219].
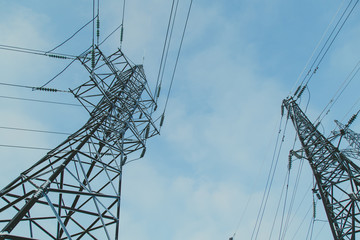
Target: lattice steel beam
[74,190]
[337,177]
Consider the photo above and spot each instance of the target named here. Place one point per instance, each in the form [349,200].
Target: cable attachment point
[351,120]
[57,56]
[98,27]
[46,89]
[315,70]
[290,161]
[315,191]
[302,91]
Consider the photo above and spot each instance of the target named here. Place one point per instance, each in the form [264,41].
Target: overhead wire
[168,46]
[37,52]
[122,24]
[316,47]
[177,58]
[98,23]
[339,92]
[292,200]
[269,181]
[332,40]
[73,35]
[41,101]
[326,46]
[33,88]
[58,74]
[278,206]
[157,90]
[16,85]
[33,130]
[284,221]
[351,109]
[49,52]
[281,230]
[277,132]
[24,147]
[109,35]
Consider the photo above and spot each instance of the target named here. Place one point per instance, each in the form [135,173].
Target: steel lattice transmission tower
[73,192]
[337,177]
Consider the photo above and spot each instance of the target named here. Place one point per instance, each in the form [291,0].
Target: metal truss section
[74,191]
[337,177]
[351,137]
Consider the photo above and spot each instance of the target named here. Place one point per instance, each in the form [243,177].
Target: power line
[339,92]
[157,89]
[25,147]
[33,130]
[41,101]
[52,79]
[36,52]
[269,181]
[15,85]
[122,24]
[326,46]
[315,49]
[33,88]
[73,35]
[177,57]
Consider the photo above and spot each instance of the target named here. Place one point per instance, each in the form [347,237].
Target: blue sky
[204,176]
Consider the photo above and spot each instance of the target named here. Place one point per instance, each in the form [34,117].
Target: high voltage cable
[278,206]
[49,52]
[73,35]
[168,46]
[323,47]
[25,147]
[36,52]
[117,28]
[330,38]
[33,88]
[332,41]
[33,130]
[317,46]
[41,101]
[302,222]
[177,57]
[122,24]
[52,79]
[269,181]
[245,208]
[157,90]
[295,189]
[292,200]
[339,92]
